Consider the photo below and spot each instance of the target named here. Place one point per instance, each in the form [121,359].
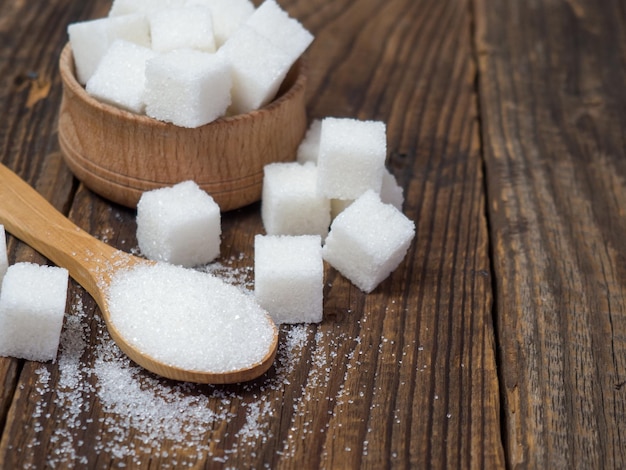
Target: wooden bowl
[119,154]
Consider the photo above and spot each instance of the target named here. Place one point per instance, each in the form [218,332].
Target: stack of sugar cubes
[340,175]
[32,306]
[339,160]
[187,62]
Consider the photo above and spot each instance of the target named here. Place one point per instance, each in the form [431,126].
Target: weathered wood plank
[552,108]
[402,377]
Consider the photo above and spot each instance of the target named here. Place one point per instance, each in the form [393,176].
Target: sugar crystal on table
[308,149]
[290,204]
[184,27]
[270,20]
[258,68]
[120,76]
[289,277]
[91,39]
[32,305]
[186,87]
[351,157]
[368,240]
[188,319]
[228,15]
[179,225]
[4,260]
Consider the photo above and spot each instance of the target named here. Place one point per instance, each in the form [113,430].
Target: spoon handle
[30,217]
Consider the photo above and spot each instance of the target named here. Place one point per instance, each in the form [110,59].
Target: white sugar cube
[32,305]
[290,204]
[185,27]
[187,87]
[4,260]
[179,225]
[308,149]
[289,277]
[228,15]
[91,39]
[368,240]
[124,7]
[120,76]
[351,157]
[257,66]
[391,192]
[270,20]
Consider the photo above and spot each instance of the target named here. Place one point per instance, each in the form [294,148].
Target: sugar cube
[228,15]
[184,27]
[308,149]
[187,87]
[91,39]
[270,20]
[119,78]
[258,68]
[32,305]
[351,157]
[4,260]
[179,225]
[368,240]
[290,204]
[289,277]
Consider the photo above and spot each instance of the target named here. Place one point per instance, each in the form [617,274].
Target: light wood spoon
[93,264]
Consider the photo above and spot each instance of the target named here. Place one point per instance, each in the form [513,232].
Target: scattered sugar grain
[189,319]
[180,414]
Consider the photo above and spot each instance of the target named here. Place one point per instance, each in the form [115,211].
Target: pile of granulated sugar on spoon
[175,322]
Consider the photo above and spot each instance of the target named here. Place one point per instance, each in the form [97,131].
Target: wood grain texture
[552,108]
[404,377]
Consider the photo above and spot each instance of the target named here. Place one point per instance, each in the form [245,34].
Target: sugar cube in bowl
[119,154]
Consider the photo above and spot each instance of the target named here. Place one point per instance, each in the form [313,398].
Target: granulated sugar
[139,412]
[189,319]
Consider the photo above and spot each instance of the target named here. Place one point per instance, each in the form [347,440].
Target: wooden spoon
[93,264]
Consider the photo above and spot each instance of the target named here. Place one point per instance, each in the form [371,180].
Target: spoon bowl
[94,264]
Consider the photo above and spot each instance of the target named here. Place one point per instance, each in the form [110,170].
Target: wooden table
[499,341]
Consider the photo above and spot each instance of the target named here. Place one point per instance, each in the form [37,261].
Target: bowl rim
[68,76]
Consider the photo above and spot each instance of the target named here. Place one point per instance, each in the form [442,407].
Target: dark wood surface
[500,341]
